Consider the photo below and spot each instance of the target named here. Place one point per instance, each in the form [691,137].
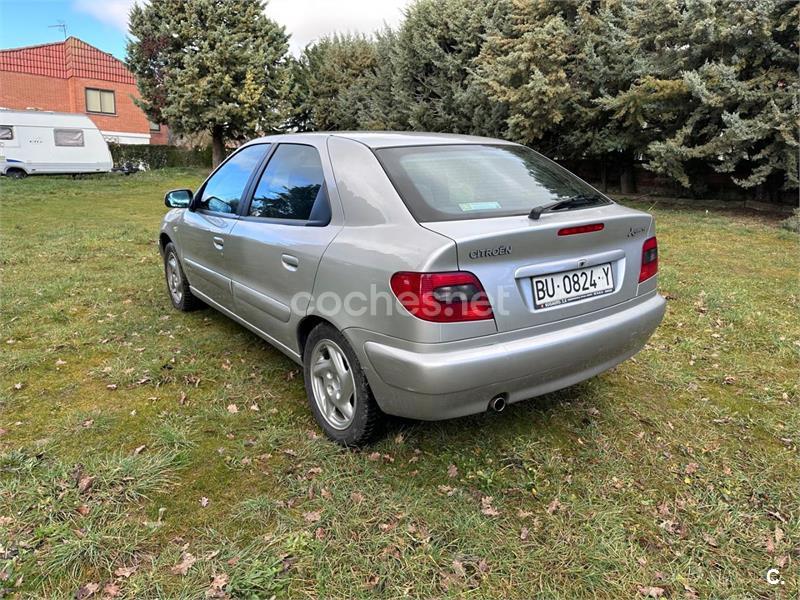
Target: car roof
[388,139]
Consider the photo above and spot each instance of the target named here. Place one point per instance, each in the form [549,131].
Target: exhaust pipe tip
[498,403]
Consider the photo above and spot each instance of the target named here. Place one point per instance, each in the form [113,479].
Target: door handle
[290,262]
[219,242]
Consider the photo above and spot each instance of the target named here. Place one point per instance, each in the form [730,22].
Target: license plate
[569,286]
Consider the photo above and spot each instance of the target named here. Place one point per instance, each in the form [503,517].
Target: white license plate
[569,286]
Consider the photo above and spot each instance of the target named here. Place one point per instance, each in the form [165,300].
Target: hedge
[158,157]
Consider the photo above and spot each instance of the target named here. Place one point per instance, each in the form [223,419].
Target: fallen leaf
[254,407]
[110,590]
[18,386]
[3,432]
[357,497]
[85,483]
[83,510]
[523,535]
[447,490]
[778,535]
[139,450]
[372,582]
[312,516]
[111,386]
[204,501]
[554,506]
[374,456]
[183,399]
[233,409]
[60,363]
[86,590]
[125,571]
[691,468]
[487,508]
[186,562]
[710,540]
[218,582]
[320,533]
[452,471]
[651,591]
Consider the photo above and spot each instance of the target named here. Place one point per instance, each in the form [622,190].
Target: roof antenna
[61,25]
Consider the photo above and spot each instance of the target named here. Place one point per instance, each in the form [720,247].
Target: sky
[103,23]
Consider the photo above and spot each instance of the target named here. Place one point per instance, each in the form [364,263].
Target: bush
[158,157]
[792,223]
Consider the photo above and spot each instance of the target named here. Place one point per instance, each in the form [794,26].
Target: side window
[291,184]
[68,137]
[224,190]
[6,132]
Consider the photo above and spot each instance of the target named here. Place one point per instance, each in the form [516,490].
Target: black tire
[178,290]
[367,417]
[16,173]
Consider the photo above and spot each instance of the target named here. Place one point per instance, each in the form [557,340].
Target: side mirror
[178,198]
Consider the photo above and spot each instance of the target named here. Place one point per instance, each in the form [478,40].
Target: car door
[276,245]
[204,232]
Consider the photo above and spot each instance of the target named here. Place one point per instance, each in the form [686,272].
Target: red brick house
[72,76]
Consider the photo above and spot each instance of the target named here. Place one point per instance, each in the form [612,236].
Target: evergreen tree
[437,45]
[332,73]
[735,64]
[209,65]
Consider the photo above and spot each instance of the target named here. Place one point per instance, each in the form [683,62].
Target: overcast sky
[305,20]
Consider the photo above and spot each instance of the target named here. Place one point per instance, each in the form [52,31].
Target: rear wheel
[337,389]
[16,173]
[178,287]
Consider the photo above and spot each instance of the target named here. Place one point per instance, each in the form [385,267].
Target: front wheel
[337,389]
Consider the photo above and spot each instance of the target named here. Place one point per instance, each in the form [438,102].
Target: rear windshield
[473,181]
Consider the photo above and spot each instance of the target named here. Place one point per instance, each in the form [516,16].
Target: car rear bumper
[440,381]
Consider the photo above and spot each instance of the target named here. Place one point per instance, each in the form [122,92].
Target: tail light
[649,259]
[442,297]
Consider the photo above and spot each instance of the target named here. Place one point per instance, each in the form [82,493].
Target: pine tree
[209,65]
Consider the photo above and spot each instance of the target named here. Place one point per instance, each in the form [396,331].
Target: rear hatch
[534,275]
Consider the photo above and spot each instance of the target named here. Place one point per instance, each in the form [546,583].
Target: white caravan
[34,142]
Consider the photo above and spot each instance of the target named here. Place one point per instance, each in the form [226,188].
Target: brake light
[448,297]
[649,259]
[581,229]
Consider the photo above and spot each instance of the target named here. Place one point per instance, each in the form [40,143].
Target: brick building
[72,76]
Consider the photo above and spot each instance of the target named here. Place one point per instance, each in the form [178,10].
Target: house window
[6,132]
[68,137]
[100,101]
[155,126]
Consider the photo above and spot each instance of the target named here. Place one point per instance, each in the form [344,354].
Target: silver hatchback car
[422,275]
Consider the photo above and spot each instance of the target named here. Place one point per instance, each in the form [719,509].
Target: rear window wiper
[574,202]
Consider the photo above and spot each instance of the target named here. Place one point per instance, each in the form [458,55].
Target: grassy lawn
[148,453]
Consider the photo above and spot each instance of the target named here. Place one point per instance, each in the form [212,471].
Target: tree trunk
[627,179]
[604,174]
[217,146]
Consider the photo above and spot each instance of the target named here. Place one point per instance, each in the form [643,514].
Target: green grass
[677,470]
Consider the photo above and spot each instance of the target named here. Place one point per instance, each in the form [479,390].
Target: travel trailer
[34,142]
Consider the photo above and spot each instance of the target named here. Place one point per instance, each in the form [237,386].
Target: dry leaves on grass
[204,501]
[487,508]
[651,591]
[87,590]
[186,562]
[125,571]
[554,506]
[111,590]
[233,409]
[452,471]
[217,587]
[312,516]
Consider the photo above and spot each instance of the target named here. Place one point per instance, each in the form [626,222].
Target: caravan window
[6,132]
[68,137]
